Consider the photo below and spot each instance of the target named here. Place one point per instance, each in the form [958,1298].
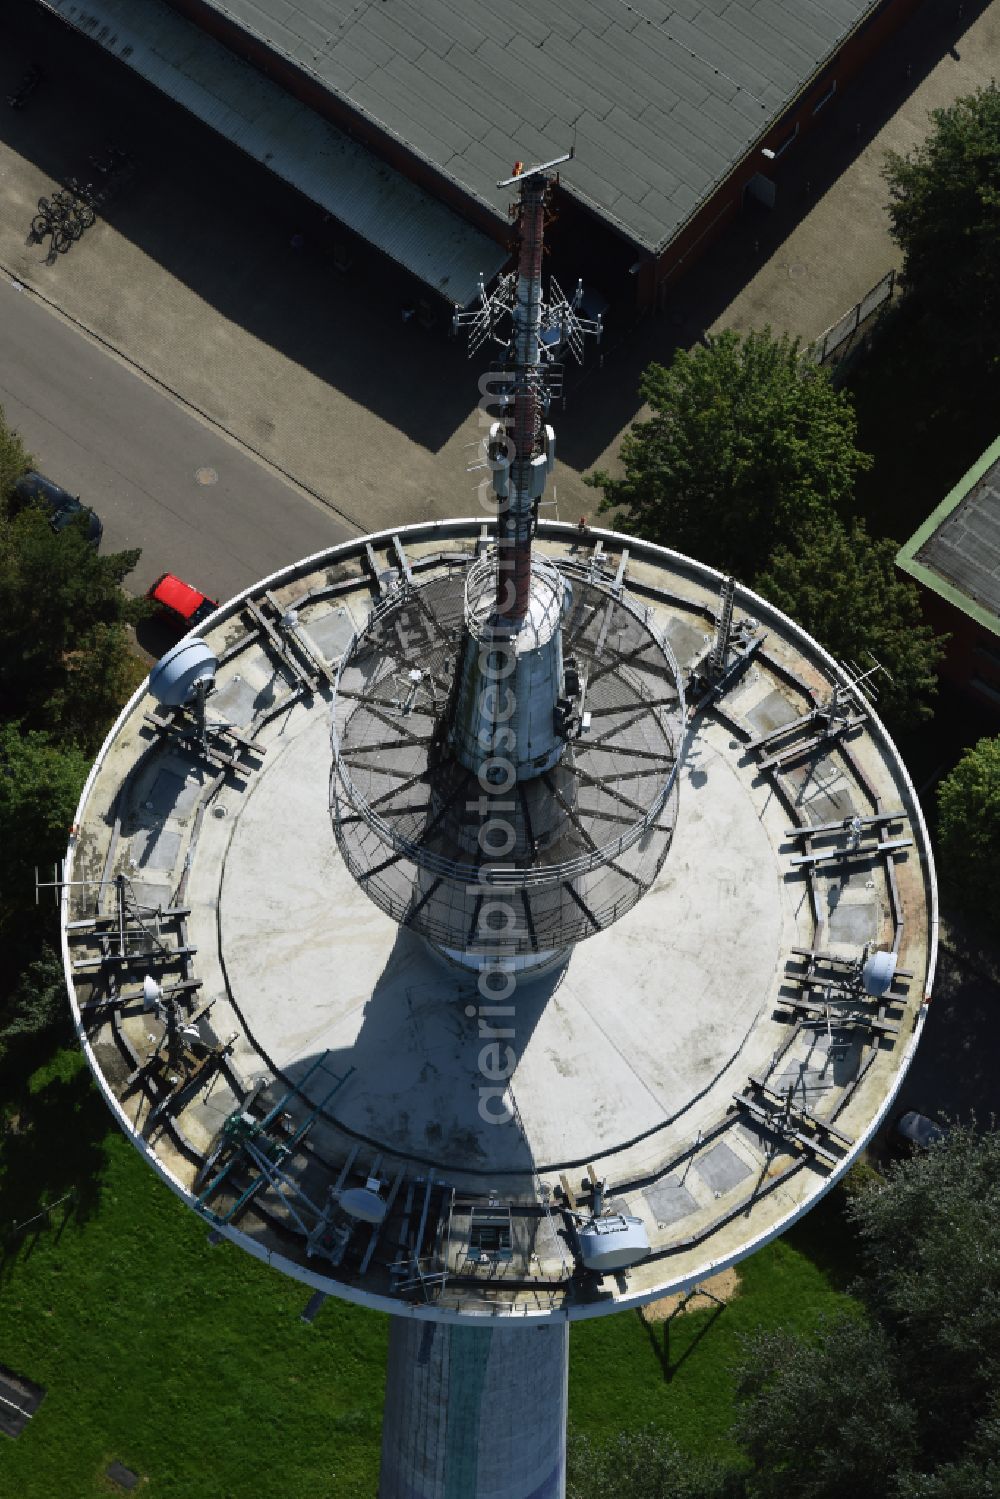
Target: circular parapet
[282,1052]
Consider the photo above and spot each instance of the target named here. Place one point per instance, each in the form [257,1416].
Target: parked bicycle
[74,207]
[86,200]
[60,210]
[62,236]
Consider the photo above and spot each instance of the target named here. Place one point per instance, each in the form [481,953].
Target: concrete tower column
[475,1412]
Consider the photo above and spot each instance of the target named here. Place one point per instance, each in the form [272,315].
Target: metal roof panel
[812,35]
[687,85]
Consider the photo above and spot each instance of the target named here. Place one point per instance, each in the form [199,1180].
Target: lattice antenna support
[723,628]
[561,328]
[520,447]
[858,692]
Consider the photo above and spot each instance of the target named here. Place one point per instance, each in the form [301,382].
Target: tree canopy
[37,1001]
[66,662]
[40,784]
[822,1418]
[744,443]
[931,1242]
[646,1463]
[66,667]
[969,829]
[14,460]
[899,1397]
[944,211]
[910,1395]
[843,586]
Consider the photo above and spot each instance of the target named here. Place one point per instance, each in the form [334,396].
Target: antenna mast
[527,479]
[534,332]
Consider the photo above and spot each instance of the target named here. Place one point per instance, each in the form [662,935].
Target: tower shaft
[475,1412]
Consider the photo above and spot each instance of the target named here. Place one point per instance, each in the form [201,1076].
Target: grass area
[191,1365]
[624,1374]
[187,1363]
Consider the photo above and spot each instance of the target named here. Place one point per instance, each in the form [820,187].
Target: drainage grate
[122,1476]
[19,1400]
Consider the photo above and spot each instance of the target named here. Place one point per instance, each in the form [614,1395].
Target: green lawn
[623,1373]
[190,1364]
[187,1363]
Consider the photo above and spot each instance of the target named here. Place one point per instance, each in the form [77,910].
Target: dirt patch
[723,1286]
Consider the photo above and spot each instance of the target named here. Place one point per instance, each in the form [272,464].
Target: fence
[835,347]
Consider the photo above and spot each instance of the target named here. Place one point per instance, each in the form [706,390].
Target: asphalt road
[159,477]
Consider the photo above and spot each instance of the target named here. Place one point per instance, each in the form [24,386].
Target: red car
[182,602]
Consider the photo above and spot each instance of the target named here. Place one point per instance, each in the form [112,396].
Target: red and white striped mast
[517,508]
[534,331]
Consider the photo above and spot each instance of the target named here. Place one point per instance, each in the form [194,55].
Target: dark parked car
[61,507]
[920,1131]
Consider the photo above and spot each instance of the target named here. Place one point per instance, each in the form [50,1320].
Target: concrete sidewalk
[194,280]
[841,245]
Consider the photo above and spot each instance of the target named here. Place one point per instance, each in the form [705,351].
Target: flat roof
[712,1056]
[956,552]
[660,99]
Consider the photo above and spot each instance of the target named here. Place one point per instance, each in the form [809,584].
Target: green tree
[37,1003]
[944,211]
[101,672]
[744,442]
[39,787]
[931,1277]
[14,460]
[822,1418]
[645,1464]
[976,1475]
[843,586]
[969,830]
[65,659]
[40,784]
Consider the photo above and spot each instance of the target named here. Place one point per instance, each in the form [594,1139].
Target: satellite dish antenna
[616,1241]
[186,674]
[151,992]
[878,972]
[361,1202]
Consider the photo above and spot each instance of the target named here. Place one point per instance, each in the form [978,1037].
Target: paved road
[142,460]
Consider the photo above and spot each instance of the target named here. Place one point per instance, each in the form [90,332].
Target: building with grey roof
[955,557]
[675,109]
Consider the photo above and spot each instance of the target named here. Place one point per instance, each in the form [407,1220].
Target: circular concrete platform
[636,1030]
[708,1065]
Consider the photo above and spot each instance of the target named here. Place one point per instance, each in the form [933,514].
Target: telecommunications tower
[498,923]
